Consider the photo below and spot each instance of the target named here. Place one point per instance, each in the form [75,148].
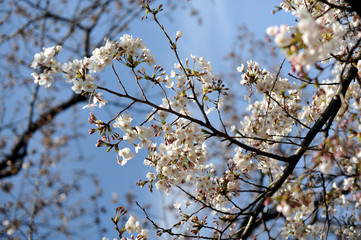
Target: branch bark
[355,6]
[332,108]
[11,163]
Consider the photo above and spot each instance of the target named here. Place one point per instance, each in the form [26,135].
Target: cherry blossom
[293,156]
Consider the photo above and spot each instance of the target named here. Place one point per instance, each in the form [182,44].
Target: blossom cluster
[320,100]
[130,51]
[311,41]
[46,59]
[182,154]
[270,119]
[132,226]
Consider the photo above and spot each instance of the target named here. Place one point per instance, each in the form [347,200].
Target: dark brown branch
[334,106]
[206,125]
[12,162]
[343,8]
[355,6]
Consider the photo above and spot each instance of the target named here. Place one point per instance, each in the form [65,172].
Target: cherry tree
[43,193]
[288,166]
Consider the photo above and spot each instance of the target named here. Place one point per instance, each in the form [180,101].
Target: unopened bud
[57,49]
[179,34]
[100,143]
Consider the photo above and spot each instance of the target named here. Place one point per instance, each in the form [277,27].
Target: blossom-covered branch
[265,164]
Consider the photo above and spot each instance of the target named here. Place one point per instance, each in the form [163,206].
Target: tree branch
[333,107]
[355,6]
[11,164]
[215,132]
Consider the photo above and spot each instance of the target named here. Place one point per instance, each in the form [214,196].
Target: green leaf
[206,132]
